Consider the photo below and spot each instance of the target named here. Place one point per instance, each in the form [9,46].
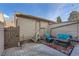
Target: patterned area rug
[66,50]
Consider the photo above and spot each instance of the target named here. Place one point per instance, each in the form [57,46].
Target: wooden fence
[11,37]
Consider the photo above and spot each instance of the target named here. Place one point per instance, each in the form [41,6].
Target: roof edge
[32,17]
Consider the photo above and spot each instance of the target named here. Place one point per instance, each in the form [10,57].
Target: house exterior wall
[1,38]
[28,27]
[37,26]
[69,29]
[43,27]
[43,24]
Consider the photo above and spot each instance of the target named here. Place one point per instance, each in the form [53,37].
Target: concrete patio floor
[32,49]
[75,51]
[35,49]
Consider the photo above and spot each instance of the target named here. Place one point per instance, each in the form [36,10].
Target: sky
[48,11]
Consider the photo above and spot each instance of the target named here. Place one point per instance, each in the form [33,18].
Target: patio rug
[68,50]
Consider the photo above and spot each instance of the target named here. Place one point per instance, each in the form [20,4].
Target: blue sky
[47,11]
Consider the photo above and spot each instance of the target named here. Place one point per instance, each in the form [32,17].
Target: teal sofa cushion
[63,36]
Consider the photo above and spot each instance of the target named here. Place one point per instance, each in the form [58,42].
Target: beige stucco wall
[70,29]
[37,25]
[26,28]
[43,24]
[1,38]
[60,24]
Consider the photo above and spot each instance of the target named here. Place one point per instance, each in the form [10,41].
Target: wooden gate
[11,37]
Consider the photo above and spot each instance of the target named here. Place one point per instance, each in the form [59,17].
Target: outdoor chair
[63,39]
[48,37]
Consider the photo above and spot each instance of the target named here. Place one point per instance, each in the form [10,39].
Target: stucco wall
[37,25]
[60,24]
[43,27]
[26,27]
[1,38]
[43,24]
[69,29]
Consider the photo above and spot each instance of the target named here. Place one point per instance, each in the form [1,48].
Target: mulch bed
[66,50]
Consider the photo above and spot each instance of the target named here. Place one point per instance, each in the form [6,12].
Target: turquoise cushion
[63,36]
[48,36]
